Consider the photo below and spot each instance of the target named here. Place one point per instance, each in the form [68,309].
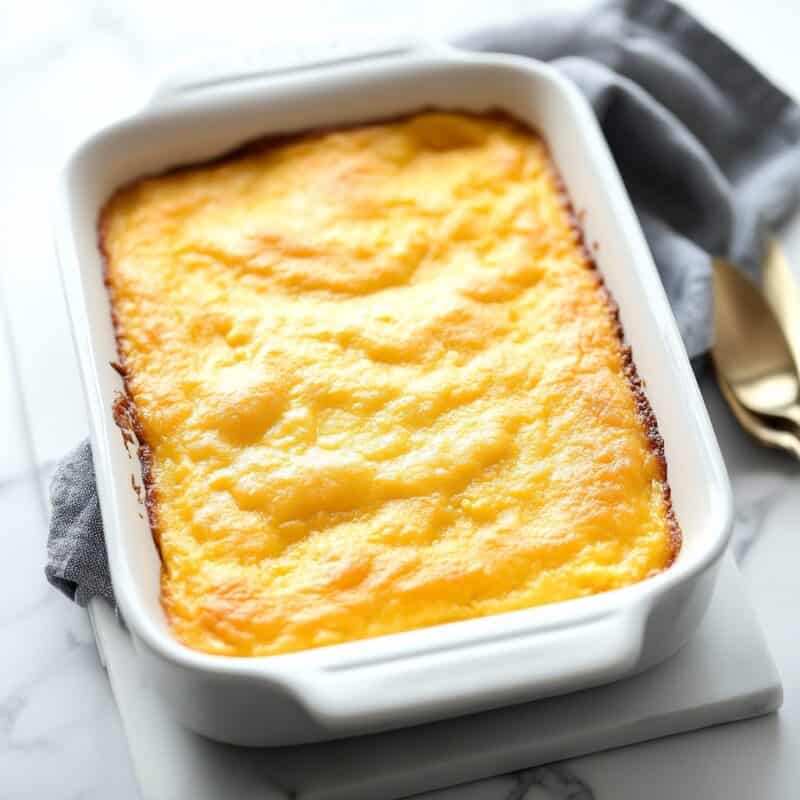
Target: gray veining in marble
[724,673]
[556,780]
[749,519]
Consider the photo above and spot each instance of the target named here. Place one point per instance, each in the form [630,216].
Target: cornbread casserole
[377,385]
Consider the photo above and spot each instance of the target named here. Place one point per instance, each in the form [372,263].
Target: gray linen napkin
[709,151]
[76,551]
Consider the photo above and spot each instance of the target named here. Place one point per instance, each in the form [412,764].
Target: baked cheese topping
[380,385]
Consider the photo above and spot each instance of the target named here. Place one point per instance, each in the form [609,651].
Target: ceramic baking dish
[453,669]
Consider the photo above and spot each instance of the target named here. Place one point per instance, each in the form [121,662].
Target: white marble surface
[69,67]
[724,673]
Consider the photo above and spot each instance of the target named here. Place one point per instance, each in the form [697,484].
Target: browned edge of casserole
[124,407]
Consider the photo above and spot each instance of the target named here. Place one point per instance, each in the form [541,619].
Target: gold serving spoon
[752,355]
[782,294]
[757,427]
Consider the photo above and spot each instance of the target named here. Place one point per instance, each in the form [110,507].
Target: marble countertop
[68,69]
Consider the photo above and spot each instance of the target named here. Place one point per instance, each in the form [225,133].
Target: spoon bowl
[758,427]
[751,353]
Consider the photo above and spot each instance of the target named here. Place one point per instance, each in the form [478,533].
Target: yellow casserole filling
[380,385]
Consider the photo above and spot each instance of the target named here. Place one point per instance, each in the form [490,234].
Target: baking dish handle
[517,665]
[275,61]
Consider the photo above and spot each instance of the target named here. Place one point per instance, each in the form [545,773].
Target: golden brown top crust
[377,385]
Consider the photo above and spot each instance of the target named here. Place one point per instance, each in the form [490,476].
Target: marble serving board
[724,673]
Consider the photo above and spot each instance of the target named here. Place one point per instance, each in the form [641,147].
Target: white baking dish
[447,670]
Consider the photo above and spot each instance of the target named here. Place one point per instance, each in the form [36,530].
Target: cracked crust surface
[377,384]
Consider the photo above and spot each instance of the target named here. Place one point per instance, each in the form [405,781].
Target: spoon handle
[783,293]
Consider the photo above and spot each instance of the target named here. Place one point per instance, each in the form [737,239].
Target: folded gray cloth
[708,148]
[76,551]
